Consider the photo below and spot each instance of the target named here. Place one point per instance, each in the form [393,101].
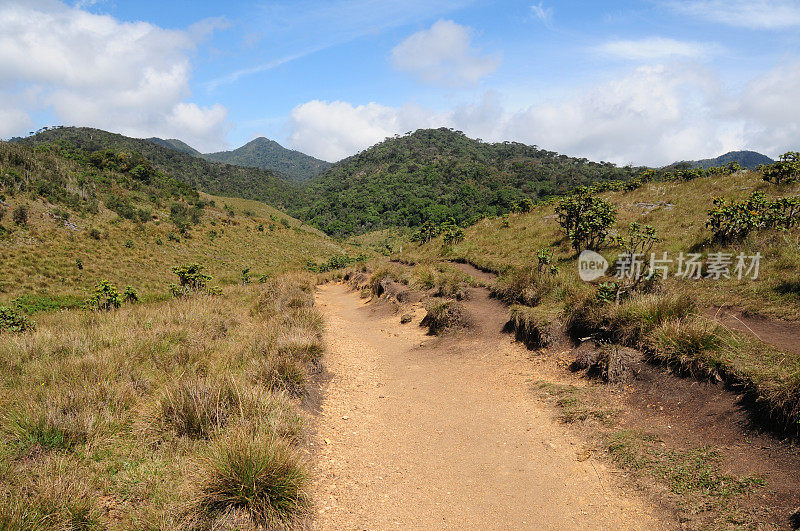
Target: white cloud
[657,48]
[544,14]
[753,14]
[334,130]
[654,115]
[95,70]
[443,55]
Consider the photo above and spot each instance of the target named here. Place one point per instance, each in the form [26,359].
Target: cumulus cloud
[753,14]
[655,48]
[334,130]
[653,115]
[443,55]
[95,70]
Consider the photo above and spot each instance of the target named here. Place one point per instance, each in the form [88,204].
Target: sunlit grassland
[157,415]
[49,257]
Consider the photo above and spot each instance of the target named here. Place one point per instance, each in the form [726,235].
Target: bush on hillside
[13,320]
[784,171]
[733,220]
[105,297]
[585,219]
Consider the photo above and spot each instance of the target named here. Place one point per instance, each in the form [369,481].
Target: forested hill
[269,155]
[435,174]
[747,159]
[208,176]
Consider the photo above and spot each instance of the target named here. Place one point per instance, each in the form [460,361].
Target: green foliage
[105,297]
[42,302]
[733,220]
[437,174]
[184,217]
[178,174]
[544,262]
[13,320]
[192,279]
[130,294]
[585,219]
[784,171]
[452,234]
[245,275]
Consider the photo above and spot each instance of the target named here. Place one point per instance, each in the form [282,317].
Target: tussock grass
[535,327]
[253,472]
[443,315]
[117,407]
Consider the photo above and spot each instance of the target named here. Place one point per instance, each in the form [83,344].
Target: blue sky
[631,82]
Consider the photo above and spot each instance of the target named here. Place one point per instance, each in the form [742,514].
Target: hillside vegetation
[208,176]
[437,174]
[665,319]
[269,155]
[746,159]
[108,215]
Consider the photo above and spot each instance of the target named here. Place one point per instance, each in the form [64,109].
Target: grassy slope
[42,257]
[152,416]
[489,244]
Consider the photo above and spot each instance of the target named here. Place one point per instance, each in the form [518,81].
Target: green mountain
[747,159]
[177,145]
[208,176]
[269,155]
[436,174]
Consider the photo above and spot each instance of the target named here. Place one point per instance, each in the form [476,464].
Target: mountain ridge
[746,158]
[268,154]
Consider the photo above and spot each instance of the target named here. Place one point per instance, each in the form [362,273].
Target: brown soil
[423,432]
[783,335]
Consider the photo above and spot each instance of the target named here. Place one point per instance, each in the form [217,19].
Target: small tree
[130,294]
[585,219]
[105,297]
[191,278]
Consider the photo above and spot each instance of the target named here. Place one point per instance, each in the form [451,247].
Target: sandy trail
[418,432]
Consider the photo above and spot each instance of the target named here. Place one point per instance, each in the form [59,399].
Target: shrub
[191,278]
[129,244]
[731,221]
[130,294]
[629,321]
[682,342]
[786,170]
[13,320]
[105,297]
[94,234]
[20,215]
[255,473]
[585,219]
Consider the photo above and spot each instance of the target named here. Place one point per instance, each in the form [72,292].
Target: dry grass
[106,414]
[445,314]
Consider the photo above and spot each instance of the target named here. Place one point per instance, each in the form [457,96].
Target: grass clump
[531,326]
[254,473]
[444,315]
[199,408]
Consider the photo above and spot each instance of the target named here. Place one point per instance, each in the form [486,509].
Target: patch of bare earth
[425,432]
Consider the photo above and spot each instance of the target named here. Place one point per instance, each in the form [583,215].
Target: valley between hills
[401,339]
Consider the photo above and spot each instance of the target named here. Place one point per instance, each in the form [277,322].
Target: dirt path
[421,432]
